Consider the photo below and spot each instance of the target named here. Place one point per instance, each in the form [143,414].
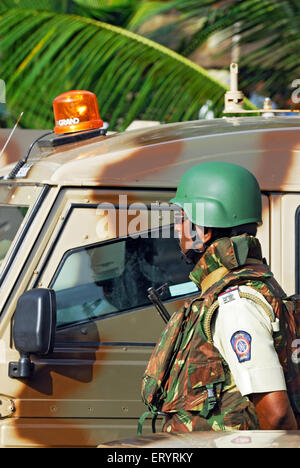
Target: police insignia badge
[241,345]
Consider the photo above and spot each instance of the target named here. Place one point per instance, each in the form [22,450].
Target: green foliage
[46,51]
[270,29]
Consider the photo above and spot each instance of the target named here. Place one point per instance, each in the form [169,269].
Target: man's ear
[207,235]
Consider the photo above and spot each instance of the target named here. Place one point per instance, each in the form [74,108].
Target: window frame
[100,244]
[22,232]
[67,215]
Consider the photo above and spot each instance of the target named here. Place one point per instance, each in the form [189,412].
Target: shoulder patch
[229,295]
[241,345]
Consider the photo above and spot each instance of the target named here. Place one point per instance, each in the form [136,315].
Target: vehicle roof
[158,156]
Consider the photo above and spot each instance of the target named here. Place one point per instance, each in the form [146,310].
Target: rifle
[154,296]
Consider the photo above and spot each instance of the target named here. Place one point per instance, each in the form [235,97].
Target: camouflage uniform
[198,392]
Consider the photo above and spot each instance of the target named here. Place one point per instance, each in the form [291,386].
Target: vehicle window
[11,218]
[113,277]
[16,204]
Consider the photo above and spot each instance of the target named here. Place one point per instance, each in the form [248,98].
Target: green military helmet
[220,195]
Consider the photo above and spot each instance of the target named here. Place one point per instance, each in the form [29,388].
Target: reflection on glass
[103,279]
[11,218]
[16,200]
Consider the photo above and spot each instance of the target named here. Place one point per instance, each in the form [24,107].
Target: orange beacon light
[76,111]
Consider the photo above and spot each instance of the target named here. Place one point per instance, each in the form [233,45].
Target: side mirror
[33,329]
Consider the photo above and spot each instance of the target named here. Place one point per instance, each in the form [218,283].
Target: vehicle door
[107,250]
[285,240]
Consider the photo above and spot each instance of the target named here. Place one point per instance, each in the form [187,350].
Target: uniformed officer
[236,380]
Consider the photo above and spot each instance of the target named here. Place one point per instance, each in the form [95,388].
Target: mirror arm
[21,369]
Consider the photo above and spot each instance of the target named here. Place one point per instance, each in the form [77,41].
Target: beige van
[85,231]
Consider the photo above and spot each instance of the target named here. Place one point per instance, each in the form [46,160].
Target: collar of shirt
[226,252]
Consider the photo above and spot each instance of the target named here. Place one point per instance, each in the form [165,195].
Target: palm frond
[144,11]
[124,13]
[45,54]
[270,27]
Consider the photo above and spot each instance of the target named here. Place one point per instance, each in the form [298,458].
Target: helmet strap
[193,255]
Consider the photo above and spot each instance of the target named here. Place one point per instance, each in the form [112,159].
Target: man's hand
[274,411]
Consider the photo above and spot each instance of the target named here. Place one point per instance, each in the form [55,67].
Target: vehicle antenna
[11,134]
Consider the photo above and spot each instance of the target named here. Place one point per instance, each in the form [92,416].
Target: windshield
[15,203]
